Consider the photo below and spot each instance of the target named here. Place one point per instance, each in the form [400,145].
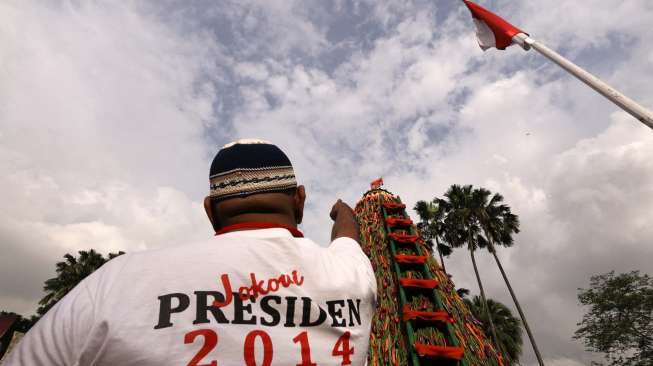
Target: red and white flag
[377,183]
[491,29]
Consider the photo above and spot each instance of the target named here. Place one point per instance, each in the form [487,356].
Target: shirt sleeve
[58,337]
[349,250]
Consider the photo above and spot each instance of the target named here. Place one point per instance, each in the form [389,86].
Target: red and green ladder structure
[420,320]
[396,222]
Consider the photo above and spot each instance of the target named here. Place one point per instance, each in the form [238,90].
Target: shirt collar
[256,225]
[258,233]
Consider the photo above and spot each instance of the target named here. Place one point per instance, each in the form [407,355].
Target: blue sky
[110,113]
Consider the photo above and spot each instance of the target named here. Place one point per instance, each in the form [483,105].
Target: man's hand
[344,222]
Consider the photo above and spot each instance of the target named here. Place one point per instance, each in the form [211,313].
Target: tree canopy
[431,227]
[475,218]
[508,327]
[619,319]
[70,272]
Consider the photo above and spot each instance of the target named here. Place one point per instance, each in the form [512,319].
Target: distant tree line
[69,272]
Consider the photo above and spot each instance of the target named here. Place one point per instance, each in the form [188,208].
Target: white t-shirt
[303,304]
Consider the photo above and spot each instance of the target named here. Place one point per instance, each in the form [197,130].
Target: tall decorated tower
[419,319]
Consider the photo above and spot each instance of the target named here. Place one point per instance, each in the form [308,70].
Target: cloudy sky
[110,113]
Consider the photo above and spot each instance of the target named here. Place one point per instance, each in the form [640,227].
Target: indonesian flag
[376,184]
[491,29]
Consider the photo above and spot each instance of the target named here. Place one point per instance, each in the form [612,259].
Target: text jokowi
[258,287]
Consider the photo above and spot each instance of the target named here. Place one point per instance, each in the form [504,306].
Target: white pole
[633,108]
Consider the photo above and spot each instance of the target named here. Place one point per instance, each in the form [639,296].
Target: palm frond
[70,272]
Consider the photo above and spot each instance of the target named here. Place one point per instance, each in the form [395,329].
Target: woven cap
[250,166]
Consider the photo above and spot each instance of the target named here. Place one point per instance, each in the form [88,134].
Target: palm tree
[499,224]
[508,327]
[463,204]
[431,226]
[70,272]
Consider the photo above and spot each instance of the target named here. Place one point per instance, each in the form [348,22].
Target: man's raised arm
[344,222]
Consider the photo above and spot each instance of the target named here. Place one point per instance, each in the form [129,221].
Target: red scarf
[259,225]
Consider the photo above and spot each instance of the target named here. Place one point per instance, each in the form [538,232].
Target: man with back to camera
[258,293]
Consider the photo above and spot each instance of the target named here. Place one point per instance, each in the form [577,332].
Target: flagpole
[633,108]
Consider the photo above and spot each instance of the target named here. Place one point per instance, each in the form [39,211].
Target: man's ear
[213,216]
[299,199]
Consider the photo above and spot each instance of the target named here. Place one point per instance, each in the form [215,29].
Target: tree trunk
[487,311]
[521,313]
[437,246]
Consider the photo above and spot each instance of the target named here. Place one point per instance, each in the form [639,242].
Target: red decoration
[425,350]
[393,206]
[396,221]
[410,314]
[410,259]
[403,238]
[419,283]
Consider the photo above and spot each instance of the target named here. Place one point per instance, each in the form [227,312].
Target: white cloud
[102,112]
[594,23]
